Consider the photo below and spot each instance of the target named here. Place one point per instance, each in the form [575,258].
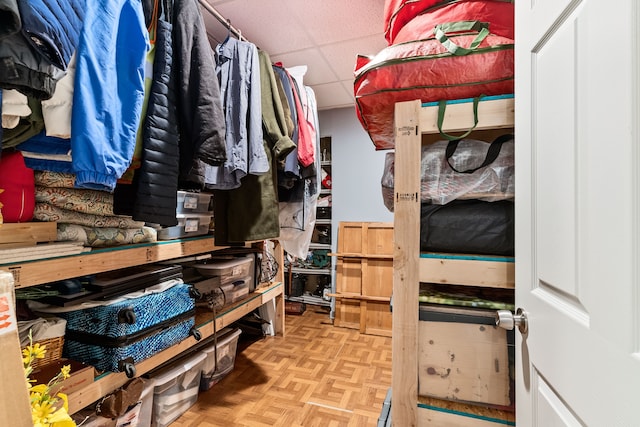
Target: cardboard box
[14,399]
[81,375]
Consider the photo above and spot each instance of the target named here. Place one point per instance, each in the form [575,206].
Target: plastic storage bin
[137,416]
[189,203]
[188,225]
[212,373]
[229,270]
[140,414]
[176,389]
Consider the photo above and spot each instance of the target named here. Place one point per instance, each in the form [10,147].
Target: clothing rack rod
[205,4]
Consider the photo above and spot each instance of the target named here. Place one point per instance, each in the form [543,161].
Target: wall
[356,170]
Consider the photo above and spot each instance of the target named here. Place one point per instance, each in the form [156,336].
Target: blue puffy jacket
[108,91]
[53,27]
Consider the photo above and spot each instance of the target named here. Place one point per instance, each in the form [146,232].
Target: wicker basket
[53,353]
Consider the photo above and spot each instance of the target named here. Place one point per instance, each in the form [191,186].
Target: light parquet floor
[318,375]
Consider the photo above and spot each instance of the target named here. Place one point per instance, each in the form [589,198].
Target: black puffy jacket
[157,178]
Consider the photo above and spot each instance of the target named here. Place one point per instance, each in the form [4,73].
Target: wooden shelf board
[310,270]
[109,382]
[47,270]
[493,113]
[473,270]
[354,255]
[310,299]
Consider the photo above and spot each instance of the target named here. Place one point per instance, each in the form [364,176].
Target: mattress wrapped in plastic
[458,170]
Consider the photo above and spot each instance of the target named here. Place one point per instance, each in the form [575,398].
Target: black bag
[468,226]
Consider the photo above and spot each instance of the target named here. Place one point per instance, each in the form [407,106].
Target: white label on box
[191,225]
[7,314]
[190,202]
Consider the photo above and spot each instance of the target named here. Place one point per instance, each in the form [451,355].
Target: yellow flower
[38,351]
[66,371]
[46,410]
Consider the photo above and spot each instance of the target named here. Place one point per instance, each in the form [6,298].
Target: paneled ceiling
[324,35]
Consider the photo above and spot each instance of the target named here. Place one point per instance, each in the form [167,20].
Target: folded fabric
[47,153]
[78,200]
[56,111]
[14,106]
[50,213]
[43,163]
[41,143]
[103,237]
[54,179]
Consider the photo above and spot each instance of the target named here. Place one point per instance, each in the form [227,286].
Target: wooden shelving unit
[110,381]
[47,270]
[364,276]
[416,124]
[32,273]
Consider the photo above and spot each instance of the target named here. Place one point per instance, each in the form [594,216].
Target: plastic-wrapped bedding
[462,175]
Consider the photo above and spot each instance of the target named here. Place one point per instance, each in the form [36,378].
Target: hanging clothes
[53,27]
[290,171]
[157,186]
[108,91]
[22,67]
[200,113]
[238,71]
[298,211]
[251,211]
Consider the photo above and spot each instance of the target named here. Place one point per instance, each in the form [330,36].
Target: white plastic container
[189,225]
[229,270]
[212,373]
[176,389]
[189,203]
[140,415]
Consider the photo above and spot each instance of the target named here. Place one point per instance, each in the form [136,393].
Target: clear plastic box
[189,203]
[188,225]
[176,389]
[229,270]
[212,373]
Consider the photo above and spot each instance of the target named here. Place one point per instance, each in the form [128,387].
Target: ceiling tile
[329,21]
[332,95]
[325,35]
[319,71]
[265,25]
[342,56]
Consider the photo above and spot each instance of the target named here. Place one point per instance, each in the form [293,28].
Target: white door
[578,212]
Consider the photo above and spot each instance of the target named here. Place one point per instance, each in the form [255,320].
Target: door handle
[507,320]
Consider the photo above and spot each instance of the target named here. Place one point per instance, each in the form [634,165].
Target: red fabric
[17,181]
[404,19]
[306,143]
[499,15]
[424,70]
[398,12]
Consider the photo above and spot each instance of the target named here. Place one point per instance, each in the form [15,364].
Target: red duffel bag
[498,13]
[399,13]
[462,60]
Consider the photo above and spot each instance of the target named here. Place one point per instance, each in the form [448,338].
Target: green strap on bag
[442,107]
[441,30]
